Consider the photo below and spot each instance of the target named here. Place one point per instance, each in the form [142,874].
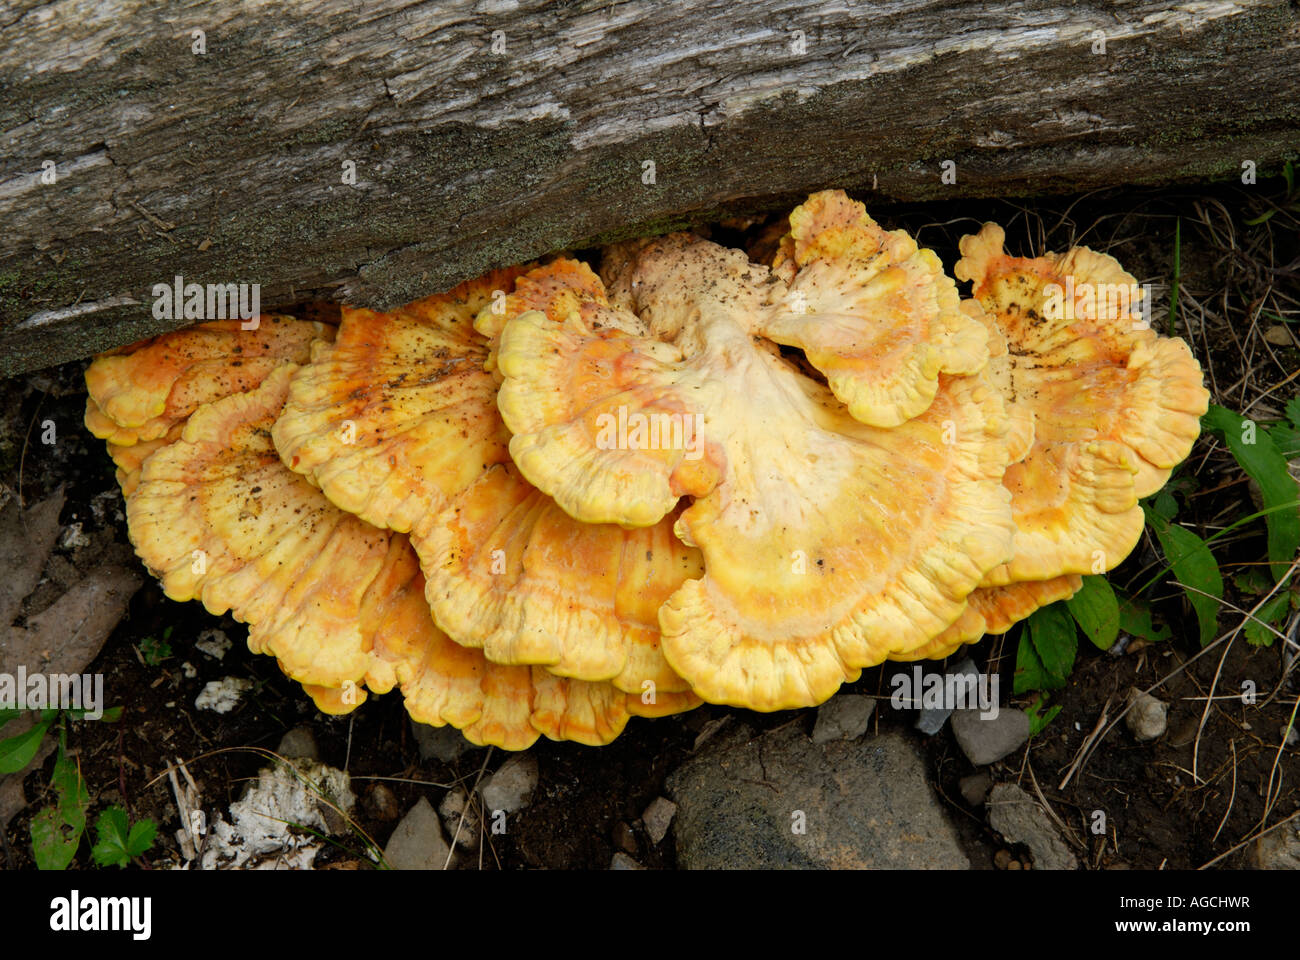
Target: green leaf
[141,837]
[1096,610]
[111,832]
[115,844]
[53,844]
[1165,505]
[1037,719]
[1030,674]
[57,830]
[1135,620]
[1194,566]
[111,715]
[1293,411]
[1287,440]
[1252,580]
[1048,645]
[9,713]
[1273,613]
[74,798]
[16,752]
[1264,463]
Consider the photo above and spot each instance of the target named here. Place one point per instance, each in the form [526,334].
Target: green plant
[116,842]
[1049,637]
[155,650]
[56,830]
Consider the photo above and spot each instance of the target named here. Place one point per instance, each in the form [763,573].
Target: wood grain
[227,166]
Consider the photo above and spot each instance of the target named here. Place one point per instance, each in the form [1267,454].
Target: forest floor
[1195,796]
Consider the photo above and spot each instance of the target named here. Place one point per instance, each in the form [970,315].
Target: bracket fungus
[1115,406]
[553,498]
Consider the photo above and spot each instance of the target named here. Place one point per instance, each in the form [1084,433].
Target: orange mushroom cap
[129,458]
[397,422]
[996,610]
[398,415]
[217,516]
[828,544]
[141,391]
[870,309]
[512,573]
[1115,405]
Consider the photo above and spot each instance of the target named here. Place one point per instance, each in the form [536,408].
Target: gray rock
[779,800]
[510,788]
[622,861]
[440,743]
[1018,817]
[1279,850]
[658,817]
[1147,717]
[988,739]
[843,717]
[299,742]
[975,788]
[381,803]
[460,818]
[417,842]
[931,720]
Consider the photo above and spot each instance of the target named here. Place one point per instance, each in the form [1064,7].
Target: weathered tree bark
[488,133]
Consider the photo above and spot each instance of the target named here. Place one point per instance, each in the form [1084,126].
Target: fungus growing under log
[555,498]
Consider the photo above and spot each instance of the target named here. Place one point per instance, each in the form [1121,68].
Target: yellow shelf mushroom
[552,499]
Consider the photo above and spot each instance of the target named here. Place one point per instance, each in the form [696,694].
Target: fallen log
[383,151]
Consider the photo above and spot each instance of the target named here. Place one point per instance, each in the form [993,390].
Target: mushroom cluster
[553,499]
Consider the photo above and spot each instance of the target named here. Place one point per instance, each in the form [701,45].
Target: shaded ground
[1179,802]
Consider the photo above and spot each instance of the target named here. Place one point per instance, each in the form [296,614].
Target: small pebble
[299,742]
[658,817]
[1278,335]
[843,717]
[1147,717]
[511,787]
[460,819]
[987,739]
[381,803]
[440,743]
[417,842]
